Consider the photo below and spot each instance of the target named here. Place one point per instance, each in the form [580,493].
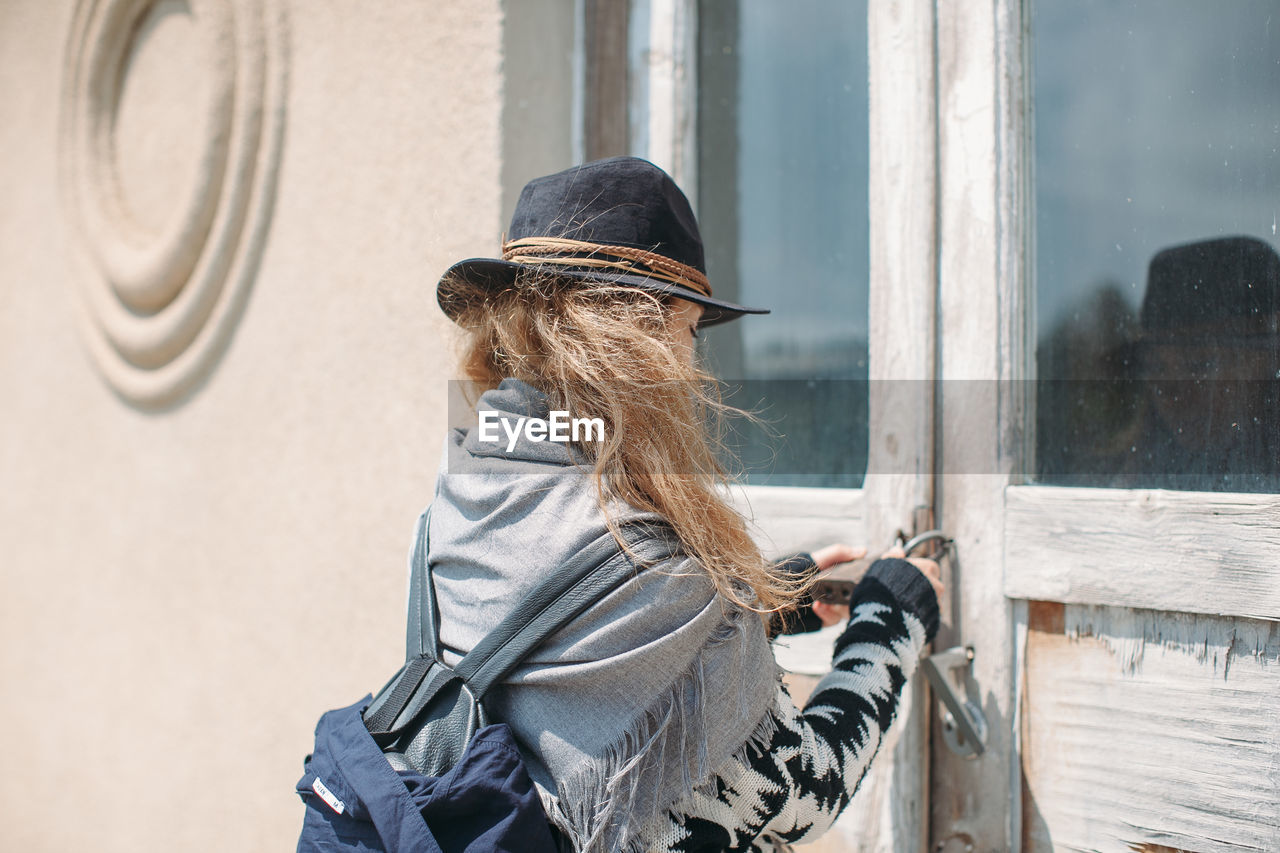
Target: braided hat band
[560,251]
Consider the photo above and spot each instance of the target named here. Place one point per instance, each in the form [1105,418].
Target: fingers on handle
[929,567]
[932,572]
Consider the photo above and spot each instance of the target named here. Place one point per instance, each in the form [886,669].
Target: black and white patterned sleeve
[793,789]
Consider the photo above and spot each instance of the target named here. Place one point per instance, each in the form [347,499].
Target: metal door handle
[921,538]
[964,728]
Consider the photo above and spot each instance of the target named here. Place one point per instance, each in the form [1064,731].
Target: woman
[657,720]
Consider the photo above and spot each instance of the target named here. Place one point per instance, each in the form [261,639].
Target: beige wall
[184,589]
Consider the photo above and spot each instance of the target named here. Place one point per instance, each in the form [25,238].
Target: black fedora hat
[621,220]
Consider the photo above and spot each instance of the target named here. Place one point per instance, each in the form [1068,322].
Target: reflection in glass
[1157,144]
[782,200]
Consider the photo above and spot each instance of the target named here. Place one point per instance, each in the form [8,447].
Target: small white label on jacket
[325,794]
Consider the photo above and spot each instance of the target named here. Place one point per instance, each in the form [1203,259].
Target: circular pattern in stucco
[162,293]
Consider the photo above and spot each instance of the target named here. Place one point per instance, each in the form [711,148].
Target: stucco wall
[186,586]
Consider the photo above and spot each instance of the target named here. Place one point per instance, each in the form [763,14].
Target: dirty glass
[1157,188]
[782,200]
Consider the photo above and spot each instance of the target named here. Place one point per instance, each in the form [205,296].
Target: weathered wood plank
[788,520]
[890,810]
[1199,552]
[1148,728]
[605,81]
[663,94]
[984,337]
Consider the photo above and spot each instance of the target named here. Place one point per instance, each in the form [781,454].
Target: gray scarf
[638,702]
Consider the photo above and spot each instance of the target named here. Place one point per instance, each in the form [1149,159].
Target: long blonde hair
[607,351]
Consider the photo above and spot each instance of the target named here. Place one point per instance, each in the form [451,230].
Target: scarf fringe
[600,808]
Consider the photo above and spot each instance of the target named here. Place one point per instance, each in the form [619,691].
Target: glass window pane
[782,197]
[1157,167]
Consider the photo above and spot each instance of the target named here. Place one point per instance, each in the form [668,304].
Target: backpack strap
[422,639]
[594,572]
[422,636]
[561,597]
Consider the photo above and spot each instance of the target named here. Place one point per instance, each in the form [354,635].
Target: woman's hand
[834,555]
[927,567]
[827,558]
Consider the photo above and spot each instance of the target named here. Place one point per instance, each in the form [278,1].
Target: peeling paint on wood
[1150,731]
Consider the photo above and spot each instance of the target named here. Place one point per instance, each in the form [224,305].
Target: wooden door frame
[986,347]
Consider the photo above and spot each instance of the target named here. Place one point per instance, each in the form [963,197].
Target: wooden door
[1126,638]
